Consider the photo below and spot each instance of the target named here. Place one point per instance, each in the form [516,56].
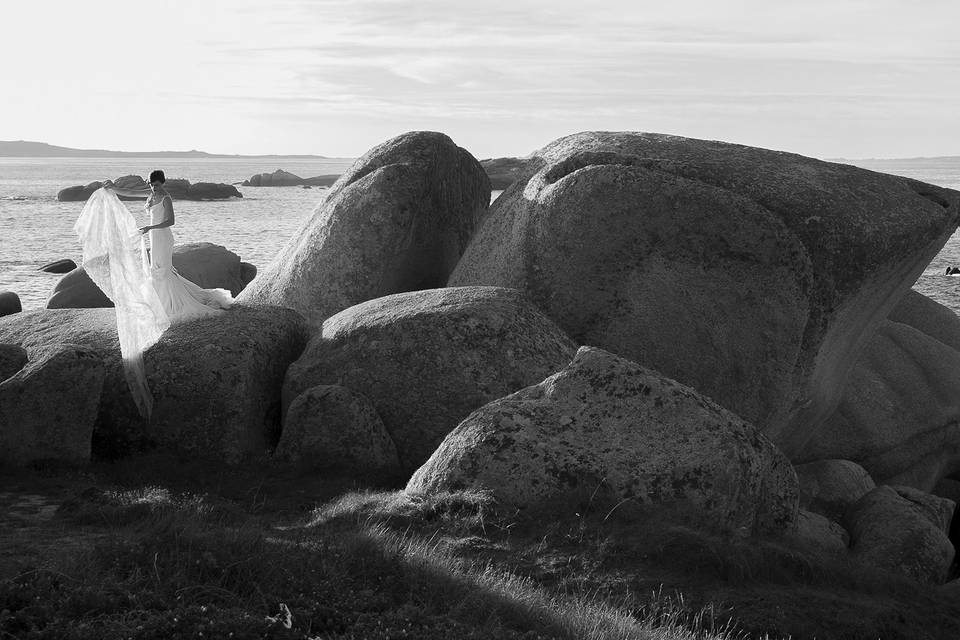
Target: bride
[148,293]
[181,298]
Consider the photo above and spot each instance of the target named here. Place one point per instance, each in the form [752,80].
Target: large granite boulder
[929,316]
[830,487]
[821,534]
[48,408]
[118,425]
[332,428]
[899,417]
[754,276]
[216,381]
[607,429]
[9,303]
[397,220]
[428,358]
[205,264]
[77,291]
[210,266]
[947,488]
[903,530]
[12,359]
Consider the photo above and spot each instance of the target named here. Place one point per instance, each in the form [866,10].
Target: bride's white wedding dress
[148,293]
[180,298]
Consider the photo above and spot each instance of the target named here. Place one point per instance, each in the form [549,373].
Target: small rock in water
[9,303]
[59,266]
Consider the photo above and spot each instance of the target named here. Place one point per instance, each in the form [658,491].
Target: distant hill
[27,149]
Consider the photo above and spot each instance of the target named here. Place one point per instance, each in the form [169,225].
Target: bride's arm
[167,217]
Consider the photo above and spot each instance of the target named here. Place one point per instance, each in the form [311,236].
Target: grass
[157,548]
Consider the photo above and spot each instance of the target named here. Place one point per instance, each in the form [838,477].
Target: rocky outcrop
[609,430]
[331,428]
[821,534]
[48,408]
[903,530]
[397,220]
[216,381]
[79,193]
[247,273]
[899,416]
[504,171]
[64,265]
[947,488]
[9,303]
[830,487]
[12,359]
[77,291]
[178,188]
[753,276]
[205,264]
[211,266]
[119,426]
[281,178]
[928,316]
[426,359]
[202,191]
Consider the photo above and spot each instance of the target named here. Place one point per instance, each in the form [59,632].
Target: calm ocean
[36,229]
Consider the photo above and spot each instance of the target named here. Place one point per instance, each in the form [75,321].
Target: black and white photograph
[519,320]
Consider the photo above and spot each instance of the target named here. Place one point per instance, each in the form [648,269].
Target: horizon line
[197,152]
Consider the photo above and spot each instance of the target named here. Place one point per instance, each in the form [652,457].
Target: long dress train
[149,295]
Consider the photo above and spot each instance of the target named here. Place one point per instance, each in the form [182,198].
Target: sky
[825,78]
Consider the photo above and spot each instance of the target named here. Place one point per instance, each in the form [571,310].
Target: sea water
[36,229]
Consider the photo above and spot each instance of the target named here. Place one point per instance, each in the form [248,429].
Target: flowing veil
[114,256]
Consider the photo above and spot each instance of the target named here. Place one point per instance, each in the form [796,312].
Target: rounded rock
[426,359]
[611,430]
[332,428]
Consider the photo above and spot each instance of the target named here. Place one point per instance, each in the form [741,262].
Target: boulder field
[753,276]
[398,220]
[638,320]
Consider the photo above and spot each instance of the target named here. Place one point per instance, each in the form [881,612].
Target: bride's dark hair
[157,176]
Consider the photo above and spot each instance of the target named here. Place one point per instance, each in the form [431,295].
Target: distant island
[27,149]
